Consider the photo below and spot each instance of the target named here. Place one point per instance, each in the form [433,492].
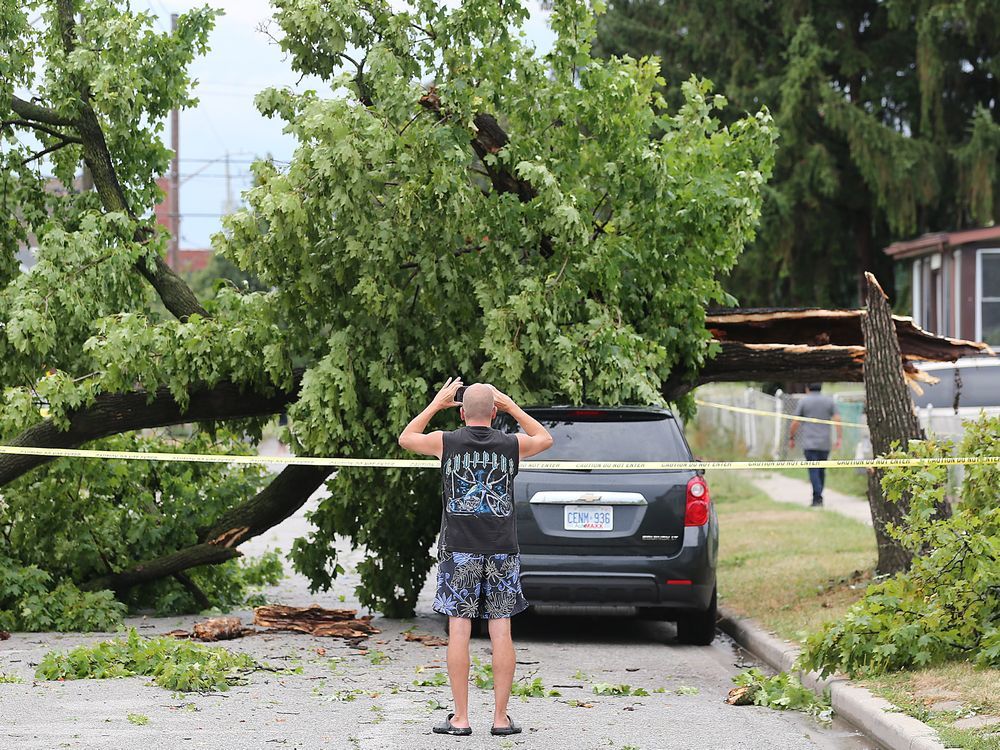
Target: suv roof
[630,410]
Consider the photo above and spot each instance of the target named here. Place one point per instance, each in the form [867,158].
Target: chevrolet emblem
[590,497]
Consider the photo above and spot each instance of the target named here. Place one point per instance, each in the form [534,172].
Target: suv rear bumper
[680,582]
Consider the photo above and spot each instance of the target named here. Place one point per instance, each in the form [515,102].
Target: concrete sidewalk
[799,492]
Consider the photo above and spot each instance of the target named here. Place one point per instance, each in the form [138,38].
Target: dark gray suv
[602,539]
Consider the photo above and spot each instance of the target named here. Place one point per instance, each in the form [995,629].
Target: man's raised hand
[502,401]
[445,398]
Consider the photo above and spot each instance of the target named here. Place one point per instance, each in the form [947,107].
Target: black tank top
[478,466]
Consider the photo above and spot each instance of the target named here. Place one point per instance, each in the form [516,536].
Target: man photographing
[479,571]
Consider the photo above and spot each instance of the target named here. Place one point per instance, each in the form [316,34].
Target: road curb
[872,715]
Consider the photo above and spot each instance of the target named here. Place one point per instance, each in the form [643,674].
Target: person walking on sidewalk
[815,437]
[479,569]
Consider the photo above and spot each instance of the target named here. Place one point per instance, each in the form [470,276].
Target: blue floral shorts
[479,586]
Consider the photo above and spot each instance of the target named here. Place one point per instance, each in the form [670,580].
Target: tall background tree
[889,114]
[462,204]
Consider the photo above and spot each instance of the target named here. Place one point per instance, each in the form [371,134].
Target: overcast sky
[241,62]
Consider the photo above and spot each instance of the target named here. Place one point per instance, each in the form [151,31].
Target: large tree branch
[286,493]
[490,138]
[172,289]
[114,413]
[37,113]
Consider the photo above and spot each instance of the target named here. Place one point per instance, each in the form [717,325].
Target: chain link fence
[764,434]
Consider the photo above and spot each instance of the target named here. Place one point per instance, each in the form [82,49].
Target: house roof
[936,241]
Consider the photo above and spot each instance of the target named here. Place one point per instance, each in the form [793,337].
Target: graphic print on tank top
[478,483]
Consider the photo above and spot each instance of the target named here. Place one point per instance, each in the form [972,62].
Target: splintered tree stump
[892,419]
[336,623]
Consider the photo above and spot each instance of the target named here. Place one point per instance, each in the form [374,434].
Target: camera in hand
[460,393]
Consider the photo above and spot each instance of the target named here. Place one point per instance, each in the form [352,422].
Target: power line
[234,175]
[216,159]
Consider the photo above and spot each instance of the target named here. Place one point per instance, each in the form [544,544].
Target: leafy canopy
[947,605]
[461,204]
[396,261]
[889,116]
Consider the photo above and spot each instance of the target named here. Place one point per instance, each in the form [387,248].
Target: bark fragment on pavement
[315,620]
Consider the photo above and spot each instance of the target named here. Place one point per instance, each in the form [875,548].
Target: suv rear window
[979,386]
[608,436]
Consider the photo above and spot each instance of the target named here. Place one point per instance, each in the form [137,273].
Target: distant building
[188,259]
[954,282]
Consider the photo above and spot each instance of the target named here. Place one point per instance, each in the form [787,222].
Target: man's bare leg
[459,632]
[503,668]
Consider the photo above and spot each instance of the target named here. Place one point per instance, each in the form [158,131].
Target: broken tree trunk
[809,345]
[286,493]
[341,623]
[891,419]
[220,629]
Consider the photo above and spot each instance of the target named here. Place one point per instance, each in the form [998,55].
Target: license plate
[588,518]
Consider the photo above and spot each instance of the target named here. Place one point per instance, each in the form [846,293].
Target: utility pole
[228,207]
[175,178]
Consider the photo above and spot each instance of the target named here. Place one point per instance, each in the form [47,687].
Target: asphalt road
[344,700]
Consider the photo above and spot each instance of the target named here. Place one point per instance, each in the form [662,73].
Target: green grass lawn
[848,481]
[792,569]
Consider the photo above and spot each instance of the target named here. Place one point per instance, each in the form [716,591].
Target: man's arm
[413,438]
[535,438]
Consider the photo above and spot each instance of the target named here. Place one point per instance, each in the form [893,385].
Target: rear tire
[698,628]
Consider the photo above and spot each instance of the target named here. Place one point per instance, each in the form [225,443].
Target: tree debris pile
[315,620]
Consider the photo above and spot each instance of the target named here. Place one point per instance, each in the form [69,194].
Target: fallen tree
[496,226]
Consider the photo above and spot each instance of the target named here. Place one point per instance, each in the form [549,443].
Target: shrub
[947,605]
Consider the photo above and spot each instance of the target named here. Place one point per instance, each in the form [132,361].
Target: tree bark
[286,493]
[114,413]
[891,419]
[161,567]
[314,620]
[173,291]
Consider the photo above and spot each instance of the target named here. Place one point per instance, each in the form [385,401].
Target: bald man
[479,570]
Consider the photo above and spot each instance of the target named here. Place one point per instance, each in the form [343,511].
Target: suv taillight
[696,512]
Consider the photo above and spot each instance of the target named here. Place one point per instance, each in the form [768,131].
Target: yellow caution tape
[777,414]
[433,463]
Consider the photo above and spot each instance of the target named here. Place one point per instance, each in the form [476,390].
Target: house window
[988,297]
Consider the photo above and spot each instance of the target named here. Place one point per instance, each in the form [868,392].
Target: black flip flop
[448,728]
[503,731]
